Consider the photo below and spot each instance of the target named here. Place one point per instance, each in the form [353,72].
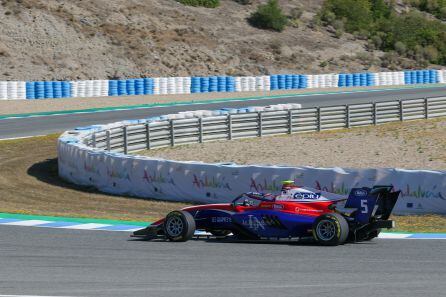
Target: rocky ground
[61,39]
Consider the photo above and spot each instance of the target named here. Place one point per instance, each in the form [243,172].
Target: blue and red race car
[293,214]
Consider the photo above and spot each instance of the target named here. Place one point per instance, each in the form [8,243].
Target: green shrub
[435,7]
[204,3]
[269,16]
[411,35]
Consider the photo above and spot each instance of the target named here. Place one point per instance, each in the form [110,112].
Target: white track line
[88,226]
[27,223]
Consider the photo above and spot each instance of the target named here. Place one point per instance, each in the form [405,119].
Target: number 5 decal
[364,207]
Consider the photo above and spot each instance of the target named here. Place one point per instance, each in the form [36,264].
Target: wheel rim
[174,226]
[326,230]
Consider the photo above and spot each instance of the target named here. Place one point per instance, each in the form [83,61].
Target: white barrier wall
[423,191]
[89,88]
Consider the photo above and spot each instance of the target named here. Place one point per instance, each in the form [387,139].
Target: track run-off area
[64,261]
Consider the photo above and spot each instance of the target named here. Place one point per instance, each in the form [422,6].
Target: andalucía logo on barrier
[157,178]
[210,183]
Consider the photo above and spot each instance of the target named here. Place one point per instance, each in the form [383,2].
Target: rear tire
[179,226]
[330,229]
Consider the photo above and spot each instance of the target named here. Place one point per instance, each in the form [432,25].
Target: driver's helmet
[288,185]
[287,191]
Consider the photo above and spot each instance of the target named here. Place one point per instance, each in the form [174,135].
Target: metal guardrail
[150,135]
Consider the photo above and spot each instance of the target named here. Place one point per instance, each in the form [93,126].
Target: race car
[294,214]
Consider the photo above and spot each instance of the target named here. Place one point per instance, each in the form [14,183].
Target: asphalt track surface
[55,262]
[22,127]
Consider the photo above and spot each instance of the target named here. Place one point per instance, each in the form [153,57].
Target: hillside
[61,39]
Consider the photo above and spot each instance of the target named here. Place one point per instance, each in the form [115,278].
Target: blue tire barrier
[370,79]
[113,88]
[204,84]
[363,79]
[66,89]
[349,80]
[407,78]
[425,76]
[139,86]
[281,79]
[230,84]
[342,80]
[57,89]
[356,80]
[419,79]
[221,84]
[288,82]
[303,82]
[433,76]
[274,82]
[195,86]
[122,87]
[39,88]
[413,77]
[30,90]
[148,86]
[213,84]
[48,89]
[295,81]
[130,86]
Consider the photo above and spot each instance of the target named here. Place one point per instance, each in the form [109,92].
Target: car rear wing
[374,203]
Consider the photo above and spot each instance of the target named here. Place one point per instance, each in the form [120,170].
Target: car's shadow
[229,240]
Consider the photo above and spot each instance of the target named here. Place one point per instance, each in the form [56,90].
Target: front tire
[179,226]
[330,229]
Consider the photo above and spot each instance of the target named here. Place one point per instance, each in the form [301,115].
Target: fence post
[290,121]
[124,132]
[375,114]
[426,108]
[259,114]
[172,133]
[318,115]
[401,110]
[147,135]
[200,130]
[93,139]
[347,116]
[107,133]
[229,126]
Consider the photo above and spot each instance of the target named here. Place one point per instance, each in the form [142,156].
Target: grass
[29,184]
[420,223]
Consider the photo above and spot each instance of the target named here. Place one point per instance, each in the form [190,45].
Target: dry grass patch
[29,184]
[421,223]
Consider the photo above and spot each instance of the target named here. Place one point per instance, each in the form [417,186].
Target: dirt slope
[61,39]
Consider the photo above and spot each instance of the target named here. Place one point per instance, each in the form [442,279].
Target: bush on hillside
[269,16]
[204,3]
[411,35]
[435,7]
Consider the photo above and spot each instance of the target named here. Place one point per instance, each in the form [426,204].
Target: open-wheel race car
[294,214]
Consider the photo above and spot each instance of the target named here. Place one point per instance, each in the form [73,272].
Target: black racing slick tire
[330,229]
[179,226]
